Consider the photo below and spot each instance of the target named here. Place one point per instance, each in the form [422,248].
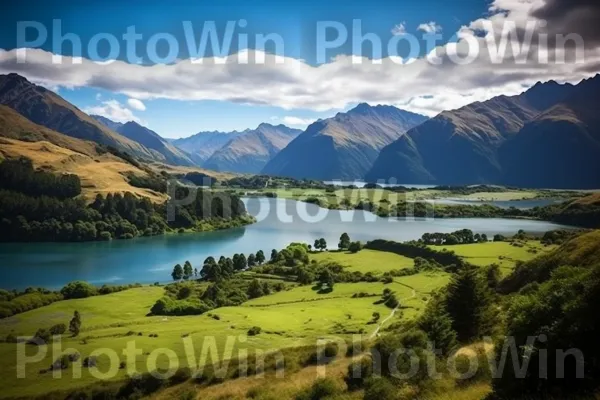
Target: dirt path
[414,294]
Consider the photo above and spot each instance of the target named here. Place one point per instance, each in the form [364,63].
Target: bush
[58,329]
[321,389]
[105,236]
[255,330]
[78,290]
[331,350]
[358,372]
[380,389]
[180,376]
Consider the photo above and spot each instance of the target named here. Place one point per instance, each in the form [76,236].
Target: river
[280,222]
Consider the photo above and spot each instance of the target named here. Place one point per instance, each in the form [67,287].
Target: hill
[162,150]
[462,146]
[202,145]
[560,148]
[48,109]
[345,146]
[250,151]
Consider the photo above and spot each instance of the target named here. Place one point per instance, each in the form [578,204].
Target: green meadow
[365,261]
[297,316]
[505,254]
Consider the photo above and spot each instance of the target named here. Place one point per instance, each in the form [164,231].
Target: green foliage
[255,330]
[564,309]
[469,304]
[75,324]
[436,322]
[322,389]
[355,247]
[188,271]
[358,373]
[344,241]
[177,273]
[378,388]
[414,250]
[78,290]
[19,175]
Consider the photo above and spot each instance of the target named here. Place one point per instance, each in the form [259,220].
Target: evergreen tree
[75,324]
[436,322]
[255,289]
[260,257]
[468,303]
[344,241]
[177,273]
[188,271]
[274,256]
[251,260]
[322,244]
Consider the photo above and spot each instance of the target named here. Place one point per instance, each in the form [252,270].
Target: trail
[414,294]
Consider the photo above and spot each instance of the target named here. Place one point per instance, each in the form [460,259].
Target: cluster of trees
[151,181]
[413,249]
[19,175]
[346,244]
[39,206]
[463,236]
[214,271]
[320,244]
[44,336]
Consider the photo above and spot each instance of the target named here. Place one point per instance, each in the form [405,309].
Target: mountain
[463,146]
[109,123]
[46,108]
[162,150]
[251,150]
[345,146]
[100,172]
[559,148]
[203,144]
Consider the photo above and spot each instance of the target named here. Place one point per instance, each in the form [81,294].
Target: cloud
[572,16]
[399,29]
[136,104]
[113,110]
[427,84]
[430,27]
[295,121]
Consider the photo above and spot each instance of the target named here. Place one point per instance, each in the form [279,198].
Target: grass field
[290,318]
[365,261]
[501,253]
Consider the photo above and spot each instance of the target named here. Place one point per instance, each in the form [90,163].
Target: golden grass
[285,387]
[98,173]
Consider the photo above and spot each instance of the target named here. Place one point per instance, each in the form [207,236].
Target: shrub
[380,389]
[358,372]
[255,330]
[321,389]
[105,235]
[58,329]
[180,376]
[331,350]
[78,290]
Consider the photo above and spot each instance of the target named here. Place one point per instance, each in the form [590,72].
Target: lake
[280,222]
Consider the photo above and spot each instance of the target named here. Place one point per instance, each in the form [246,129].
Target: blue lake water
[280,222]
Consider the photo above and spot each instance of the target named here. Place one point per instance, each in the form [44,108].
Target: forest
[42,206]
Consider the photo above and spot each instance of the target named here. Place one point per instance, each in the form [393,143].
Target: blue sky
[189,99]
[294,21]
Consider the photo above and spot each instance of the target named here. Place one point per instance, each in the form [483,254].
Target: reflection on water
[280,222]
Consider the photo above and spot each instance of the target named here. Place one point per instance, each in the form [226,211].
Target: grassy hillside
[366,260]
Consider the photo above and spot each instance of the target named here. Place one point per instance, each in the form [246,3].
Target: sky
[327,56]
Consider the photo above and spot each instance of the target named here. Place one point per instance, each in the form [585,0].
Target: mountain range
[547,136]
[161,149]
[251,150]
[345,146]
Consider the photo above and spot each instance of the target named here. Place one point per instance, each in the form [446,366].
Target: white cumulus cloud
[399,29]
[136,104]
[428,84]
[429,27]
[112,110]
[296,121]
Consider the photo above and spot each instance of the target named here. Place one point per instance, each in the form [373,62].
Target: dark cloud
[573,16]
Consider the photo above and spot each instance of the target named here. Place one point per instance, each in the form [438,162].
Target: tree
[188,271]
[304,276]
[177,273]
[317,244]
[239,263]
[451,240]
[251,260]
[260,257]
[75,324]
[484,238]
[355,247]
[344,242]
[493,276]
[274,256]
[212,272]
[326,278]
[468,303]
[196,272]
[255,289]
[499,238]
[320,244]
[58,329]
[436,322]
